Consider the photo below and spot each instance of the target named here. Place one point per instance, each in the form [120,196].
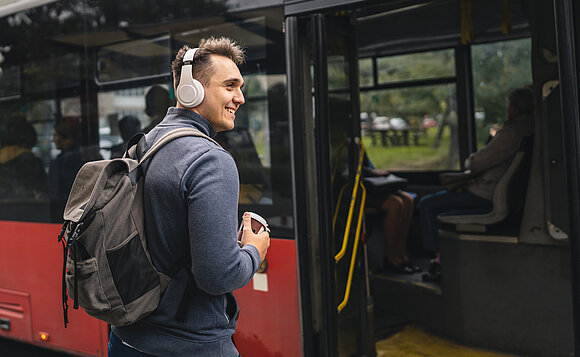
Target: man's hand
[261,240]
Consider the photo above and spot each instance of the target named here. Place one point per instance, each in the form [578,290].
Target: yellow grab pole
[342,251]
[354,249]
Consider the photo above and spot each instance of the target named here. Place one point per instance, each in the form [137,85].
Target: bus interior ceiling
[500,277]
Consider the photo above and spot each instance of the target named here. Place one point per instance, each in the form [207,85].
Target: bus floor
[395,336]
[413,341]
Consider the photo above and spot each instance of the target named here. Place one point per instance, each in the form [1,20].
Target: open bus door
[324,112]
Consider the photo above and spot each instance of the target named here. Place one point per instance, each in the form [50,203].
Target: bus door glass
[324,106]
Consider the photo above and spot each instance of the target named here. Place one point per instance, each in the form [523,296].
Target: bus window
[51,72]
[255,115]
[9,81]
[366,77]
[410,113]
[125,112]
[498,67]
[134,59]
[416,66]
[42,149]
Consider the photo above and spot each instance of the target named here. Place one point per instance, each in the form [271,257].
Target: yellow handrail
[354,249]
[342,251]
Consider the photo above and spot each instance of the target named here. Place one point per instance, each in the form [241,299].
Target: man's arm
[219,265]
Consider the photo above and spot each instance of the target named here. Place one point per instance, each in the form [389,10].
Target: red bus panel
[269,324]
[30,293]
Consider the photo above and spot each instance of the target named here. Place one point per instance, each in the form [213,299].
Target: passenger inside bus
[490,163]
[129,125]
[391,207]
[63,169]
[21,172]
[156,103]
[254,182]
[396,209]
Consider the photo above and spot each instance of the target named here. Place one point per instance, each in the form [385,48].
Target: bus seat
[508,196]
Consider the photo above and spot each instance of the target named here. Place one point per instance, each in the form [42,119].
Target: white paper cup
[259,225]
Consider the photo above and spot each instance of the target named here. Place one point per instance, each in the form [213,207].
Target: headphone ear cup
[190,94]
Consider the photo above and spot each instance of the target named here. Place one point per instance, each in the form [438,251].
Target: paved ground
[10,348]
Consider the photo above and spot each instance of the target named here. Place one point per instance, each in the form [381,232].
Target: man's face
[223,94]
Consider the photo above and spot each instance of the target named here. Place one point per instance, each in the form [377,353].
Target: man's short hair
[522,99]
[202,68]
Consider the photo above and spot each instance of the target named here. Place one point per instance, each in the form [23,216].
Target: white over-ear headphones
[190,92]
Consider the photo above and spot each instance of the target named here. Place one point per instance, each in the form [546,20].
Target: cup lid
[258,218]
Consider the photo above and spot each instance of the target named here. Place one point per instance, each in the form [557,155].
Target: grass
[422,157]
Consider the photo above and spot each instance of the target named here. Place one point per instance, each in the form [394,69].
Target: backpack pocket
[90,288]
[132,271]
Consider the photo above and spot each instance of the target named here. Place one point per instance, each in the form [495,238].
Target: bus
[413,86]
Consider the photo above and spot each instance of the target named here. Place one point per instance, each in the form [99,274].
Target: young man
[191,203]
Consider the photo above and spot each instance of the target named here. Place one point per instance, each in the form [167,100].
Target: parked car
[381,123]
[429,123]
[398,123]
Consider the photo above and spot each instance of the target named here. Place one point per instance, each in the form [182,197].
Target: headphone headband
[189,54]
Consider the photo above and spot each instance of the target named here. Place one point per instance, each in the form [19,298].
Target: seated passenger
[63,169]
[254,178]
[129,125]
[156,104]
[492,161]
[397,210]
[21,172]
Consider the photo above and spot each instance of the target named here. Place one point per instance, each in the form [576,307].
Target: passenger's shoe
[434,274]
[398,269]
[414,267]
[431,278]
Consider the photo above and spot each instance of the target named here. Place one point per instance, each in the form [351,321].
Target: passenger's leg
[404,224]
[444,201]
[392,207]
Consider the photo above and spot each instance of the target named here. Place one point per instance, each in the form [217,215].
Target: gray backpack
[107,268]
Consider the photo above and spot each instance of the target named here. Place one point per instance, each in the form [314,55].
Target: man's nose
[239,97]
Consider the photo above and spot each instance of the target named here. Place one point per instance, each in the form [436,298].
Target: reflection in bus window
[21,171]
[134,59]
[498,67]
[425,65]
[156,103]
[366,77]
[254,115]
[148,104]
[64,167]
[51,72]
[9,81]
[337,72]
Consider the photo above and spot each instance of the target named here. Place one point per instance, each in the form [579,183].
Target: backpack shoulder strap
[135,147]
[172,135]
